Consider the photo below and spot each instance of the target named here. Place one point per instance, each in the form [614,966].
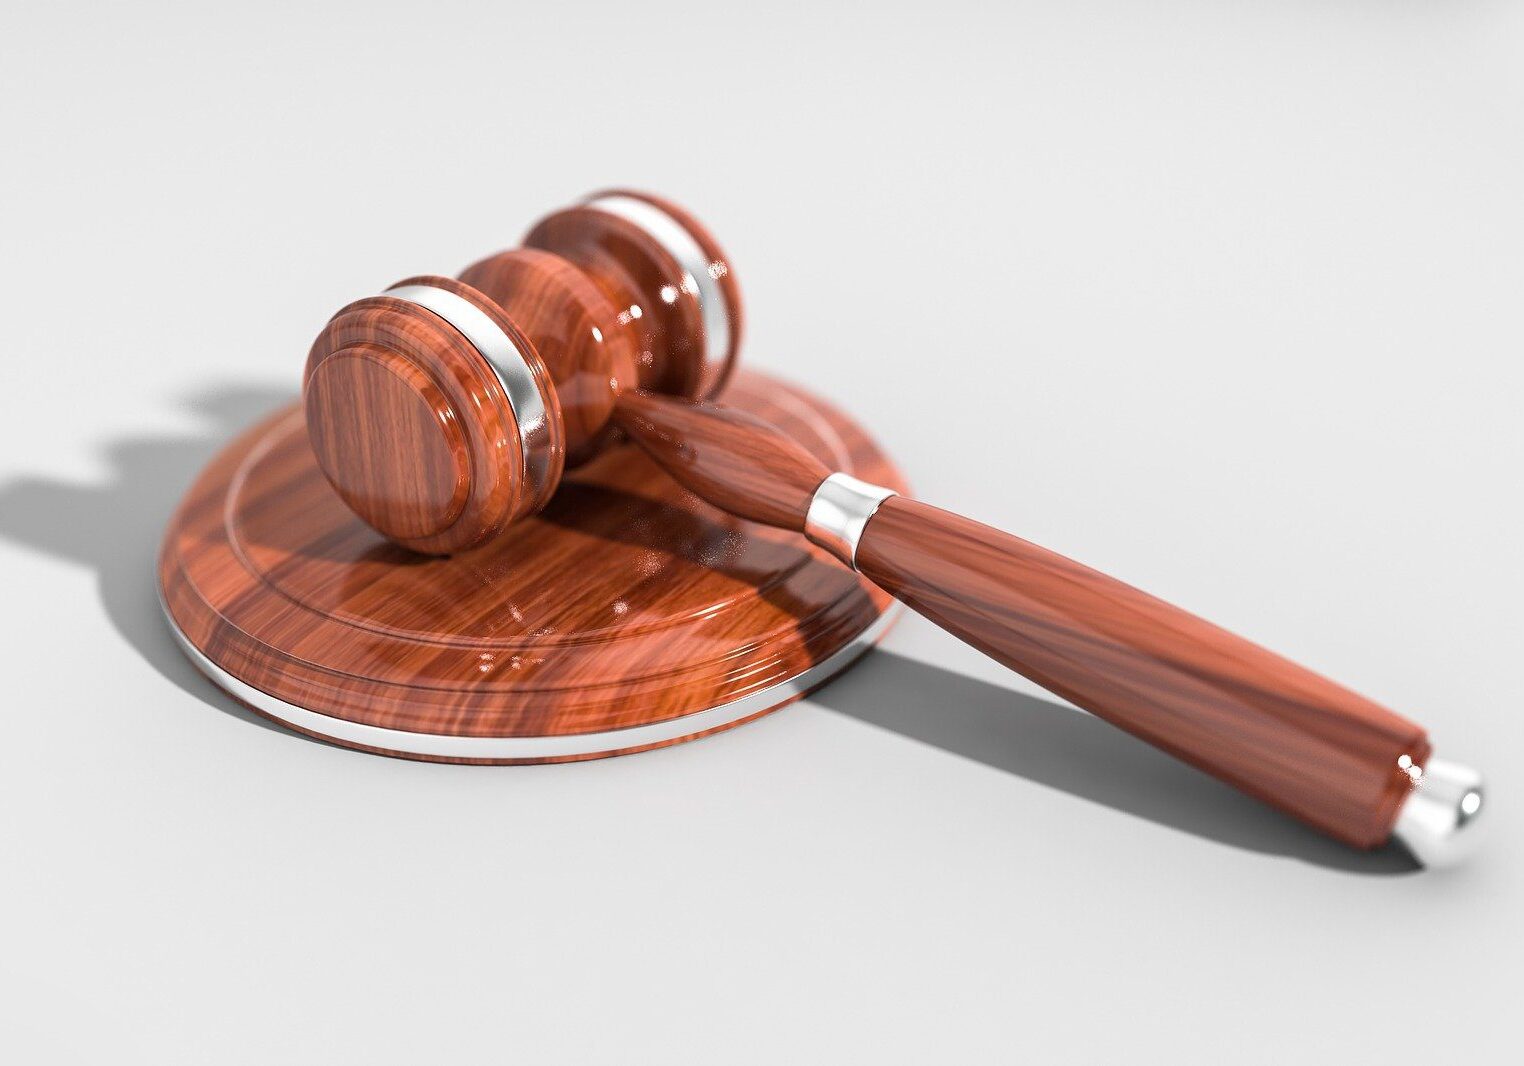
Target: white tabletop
[1222,299]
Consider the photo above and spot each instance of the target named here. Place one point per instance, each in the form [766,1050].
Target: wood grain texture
[1221,703]
[634,271]
[588,348]
[408,493]
[409,422]
[735,460]
[713,378]
[626,602]
[412,426]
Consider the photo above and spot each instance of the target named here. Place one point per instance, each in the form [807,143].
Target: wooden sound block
[627,615]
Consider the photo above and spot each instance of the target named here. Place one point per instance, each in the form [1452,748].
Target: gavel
[443,410]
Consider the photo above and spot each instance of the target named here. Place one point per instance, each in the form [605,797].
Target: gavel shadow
[114,528]
[1062,748]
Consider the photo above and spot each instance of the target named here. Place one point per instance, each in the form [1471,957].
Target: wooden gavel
[443,410]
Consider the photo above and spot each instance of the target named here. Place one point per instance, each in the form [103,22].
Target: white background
[1221,297]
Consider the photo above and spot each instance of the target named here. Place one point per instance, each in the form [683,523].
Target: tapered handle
[1275,730]
[1244,714]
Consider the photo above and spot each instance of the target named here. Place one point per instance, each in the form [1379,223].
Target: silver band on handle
[512,371]
[839,511]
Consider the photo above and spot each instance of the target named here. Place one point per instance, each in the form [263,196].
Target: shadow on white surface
[1073,752]
[115,529]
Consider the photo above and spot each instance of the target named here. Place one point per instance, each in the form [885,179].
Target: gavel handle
[1273,729]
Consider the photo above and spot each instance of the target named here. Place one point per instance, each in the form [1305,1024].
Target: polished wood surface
[412,427]
[712,379]
[589,291]
[646,286]
[1244,714]
[411,493]
[409,421]
[590,350]
[735,460]
[626,602]
[1276,730]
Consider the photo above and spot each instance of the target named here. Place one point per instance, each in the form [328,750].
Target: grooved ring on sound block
[626,602]
[564,746]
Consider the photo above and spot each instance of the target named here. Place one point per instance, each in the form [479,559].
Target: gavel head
[443,410]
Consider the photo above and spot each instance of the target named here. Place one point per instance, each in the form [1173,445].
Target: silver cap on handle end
[1437,822]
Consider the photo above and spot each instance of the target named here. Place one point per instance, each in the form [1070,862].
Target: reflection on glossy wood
[1261,723]
[412,426]
[626,602]
[618,322]
[590,353]
[646,286]
[1265,725]
[735,460]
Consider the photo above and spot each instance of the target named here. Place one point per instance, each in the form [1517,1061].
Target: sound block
[628,615]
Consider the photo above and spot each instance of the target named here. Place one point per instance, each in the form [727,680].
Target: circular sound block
[627,615]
